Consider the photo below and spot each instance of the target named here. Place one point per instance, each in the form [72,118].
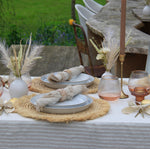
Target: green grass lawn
[29,15]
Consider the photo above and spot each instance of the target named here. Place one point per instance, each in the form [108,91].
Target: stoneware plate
[82,79]
[77,104]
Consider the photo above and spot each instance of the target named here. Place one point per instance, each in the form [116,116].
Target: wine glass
[109,88]
[27,78]
[139,84]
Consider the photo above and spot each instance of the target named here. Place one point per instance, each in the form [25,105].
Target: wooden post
[73,14]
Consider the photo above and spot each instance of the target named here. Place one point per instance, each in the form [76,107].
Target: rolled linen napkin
[59,95]
[66,74]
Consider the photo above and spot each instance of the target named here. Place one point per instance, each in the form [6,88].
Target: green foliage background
[46,19]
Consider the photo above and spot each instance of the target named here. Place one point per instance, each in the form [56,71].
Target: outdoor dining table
[114,130]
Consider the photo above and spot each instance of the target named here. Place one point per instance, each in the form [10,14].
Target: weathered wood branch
[109,17]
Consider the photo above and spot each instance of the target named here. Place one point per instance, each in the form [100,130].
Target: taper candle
[122,27]
[122,43]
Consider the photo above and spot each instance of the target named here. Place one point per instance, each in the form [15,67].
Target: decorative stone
[18,88]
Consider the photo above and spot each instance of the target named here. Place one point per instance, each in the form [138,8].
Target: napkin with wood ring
[59,95]
[66,74]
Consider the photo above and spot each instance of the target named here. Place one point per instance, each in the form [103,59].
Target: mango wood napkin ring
[69,72]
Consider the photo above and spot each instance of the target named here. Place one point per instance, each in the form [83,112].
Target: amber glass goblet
[139,84]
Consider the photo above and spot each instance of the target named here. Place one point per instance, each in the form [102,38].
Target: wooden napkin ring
[63,94]
[69,72]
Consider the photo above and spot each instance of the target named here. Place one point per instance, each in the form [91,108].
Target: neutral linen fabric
[112,131]
[59,95]
[66,74]
[31,134]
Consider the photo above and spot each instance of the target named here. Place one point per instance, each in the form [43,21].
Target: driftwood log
[109,17]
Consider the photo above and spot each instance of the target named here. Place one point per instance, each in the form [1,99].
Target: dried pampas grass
[30,59]
[113,44]
[110,50]
[22,61]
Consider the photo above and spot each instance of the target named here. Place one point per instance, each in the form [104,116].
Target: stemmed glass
[27,78]
[139,84]
[1,87]
[109,88]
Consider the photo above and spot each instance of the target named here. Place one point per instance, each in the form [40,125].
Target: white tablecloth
[112,131]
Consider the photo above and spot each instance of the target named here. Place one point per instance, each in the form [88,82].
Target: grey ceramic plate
[77,104]
[80,80]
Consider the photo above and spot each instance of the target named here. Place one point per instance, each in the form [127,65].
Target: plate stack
[77,104]
[82,79]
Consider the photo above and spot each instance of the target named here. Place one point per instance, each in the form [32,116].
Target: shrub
[13,36]
[61,34]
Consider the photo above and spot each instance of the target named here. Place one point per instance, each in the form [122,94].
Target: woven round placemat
[97,109]
[39,87]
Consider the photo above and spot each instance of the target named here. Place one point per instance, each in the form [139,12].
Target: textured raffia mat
[97,109]
[39,87]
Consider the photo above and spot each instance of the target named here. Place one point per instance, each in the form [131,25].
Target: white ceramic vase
[25,77]
[146,10]
[18,88]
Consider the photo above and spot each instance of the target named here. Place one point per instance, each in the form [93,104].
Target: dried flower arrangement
[22,61]
[110,50]
[147,2]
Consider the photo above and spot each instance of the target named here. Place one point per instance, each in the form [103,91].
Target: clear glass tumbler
[109,88]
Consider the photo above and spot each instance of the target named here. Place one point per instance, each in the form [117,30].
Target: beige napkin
[66,74]
[59,95]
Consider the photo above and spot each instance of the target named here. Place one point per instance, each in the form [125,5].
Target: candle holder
[121,58]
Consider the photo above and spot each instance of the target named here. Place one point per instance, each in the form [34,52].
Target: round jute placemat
[39,87]
[97,109]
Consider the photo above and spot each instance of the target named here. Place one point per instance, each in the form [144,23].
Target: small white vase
[18,88]
[106,73]
[146,10]
[25,77]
